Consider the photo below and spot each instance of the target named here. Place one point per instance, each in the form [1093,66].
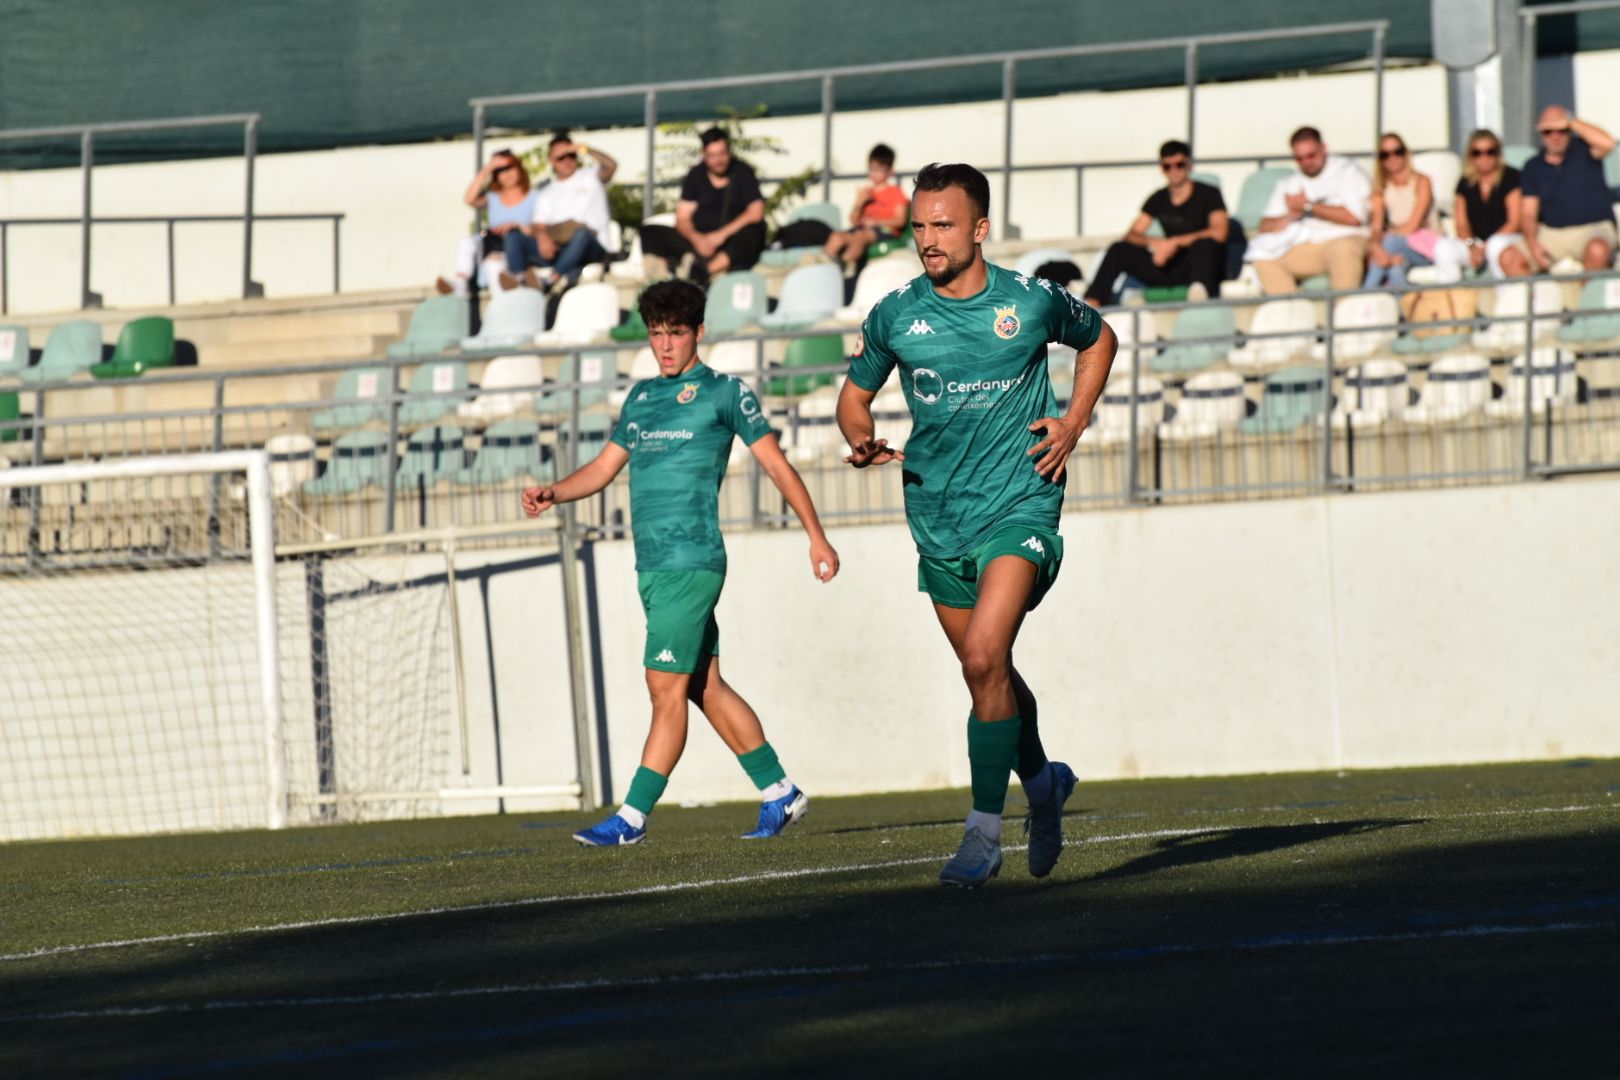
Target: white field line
[647,890]
[822,971]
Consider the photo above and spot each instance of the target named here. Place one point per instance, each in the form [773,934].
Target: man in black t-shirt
[720,219]
[1193,248]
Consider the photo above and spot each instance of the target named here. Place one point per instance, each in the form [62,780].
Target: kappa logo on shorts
[665,657]
[1034,544]
[1006,323]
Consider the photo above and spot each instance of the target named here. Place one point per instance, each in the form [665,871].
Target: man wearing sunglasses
[570,214]
[1191,251]
[1315,222]
[1567,210]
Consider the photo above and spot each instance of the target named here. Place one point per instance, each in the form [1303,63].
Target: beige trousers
[1341,260]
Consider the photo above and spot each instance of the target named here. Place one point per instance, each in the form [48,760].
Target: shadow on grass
[1217,844]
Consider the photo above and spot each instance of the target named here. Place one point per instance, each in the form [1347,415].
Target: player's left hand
[823,560]
[1054,449]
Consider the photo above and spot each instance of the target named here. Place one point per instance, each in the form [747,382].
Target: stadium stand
[437,324]
[513,319]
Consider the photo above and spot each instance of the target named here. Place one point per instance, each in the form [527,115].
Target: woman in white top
[1403,216]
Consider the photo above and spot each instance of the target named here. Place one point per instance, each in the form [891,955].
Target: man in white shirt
[1316,221]
[570,214]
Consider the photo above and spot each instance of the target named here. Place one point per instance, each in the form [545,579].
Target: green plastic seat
[10,411]
[359,459]
[1292,399]
[1596,317]
[1204,321]
[1206,178]
[1165,294]
[510,449]
[437,324]
[1255,193]
[632,329]
[736,300]
[13,351]
[808,352]
[143,344]
[431,455]
[368,389]
[72,348]
[1516,154]
[1413,345]
[446,381]
[1316,283]
[594,370]
[879,248]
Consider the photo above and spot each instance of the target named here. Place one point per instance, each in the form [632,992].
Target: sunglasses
[1385,155]
[564,157]
[1484,151]
[1166,166]
[508,165]
[1553,131]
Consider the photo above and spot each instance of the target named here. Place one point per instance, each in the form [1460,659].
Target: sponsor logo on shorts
[1034,544]
[1006,324]
[665,657]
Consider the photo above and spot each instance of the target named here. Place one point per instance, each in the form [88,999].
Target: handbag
[1439,305]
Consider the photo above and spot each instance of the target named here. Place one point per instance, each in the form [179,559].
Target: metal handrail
[1008,61]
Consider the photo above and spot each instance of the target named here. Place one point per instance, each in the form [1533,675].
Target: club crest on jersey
[688,392]
[1007,322]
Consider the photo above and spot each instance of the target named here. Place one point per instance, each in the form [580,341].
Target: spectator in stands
[1316,221]
[1488,205]
[1193,249]
[501,189]
[1404,221]
[1567,210]
[570,218]
[882,211]
[720,219]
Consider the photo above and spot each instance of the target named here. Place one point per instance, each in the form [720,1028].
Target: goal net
[161,670]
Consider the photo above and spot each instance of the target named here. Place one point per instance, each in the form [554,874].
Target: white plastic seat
[1374,391]
[1552,381]
[585,313]
[1277,317]
[1506,337]
[733,358]
[880,278]
[292,461]
[494,402]
[1443,167]
[1457,384]
[1111,420]
[809,294]
[511,321]
[1211,402]
[1126,326]
[1351,345]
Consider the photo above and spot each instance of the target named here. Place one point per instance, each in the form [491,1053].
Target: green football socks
[992,755]
[646,788]
[761,766]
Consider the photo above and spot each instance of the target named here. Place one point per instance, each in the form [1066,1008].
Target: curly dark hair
[672,303]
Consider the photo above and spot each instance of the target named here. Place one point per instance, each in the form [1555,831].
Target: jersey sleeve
[873,360]
[1072,321]
[738,409]
[627,422]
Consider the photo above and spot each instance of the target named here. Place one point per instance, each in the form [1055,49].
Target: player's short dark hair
[672,303]
[938,177]
[1304,134]
[883,154]
[1175,146]
[714,135]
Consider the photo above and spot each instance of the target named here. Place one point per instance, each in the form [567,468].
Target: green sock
[992,753]
[761,766]
[646,788]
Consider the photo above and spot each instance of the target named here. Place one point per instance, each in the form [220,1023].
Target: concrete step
[294,326]
[249,354]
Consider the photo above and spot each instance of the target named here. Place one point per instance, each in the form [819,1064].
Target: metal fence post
[337,230]
[1327,402]
[1133,479]
[1378,82]
[650,118]
[1527,66]
[1527,469]
[5,272]
[826,137]
[250,149]
[1008,87]
[170,231]
[389,482]
[1192,93]
[87,159]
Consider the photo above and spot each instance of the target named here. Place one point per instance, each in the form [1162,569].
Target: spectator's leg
[1237,242]
[522,252]
[835,246]
[742,250]
[1374,276]
[1450,256]
[572,256]
[1275,279]
[1203,261]
[666,243]
[1343,260]
[1503,251]
[1300,262]
[1120,258]
[1598,254]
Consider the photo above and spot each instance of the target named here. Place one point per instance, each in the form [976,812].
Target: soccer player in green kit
[983,479]
[675,433]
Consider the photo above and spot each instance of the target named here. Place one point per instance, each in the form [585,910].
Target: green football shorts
[955,582]
[680,617]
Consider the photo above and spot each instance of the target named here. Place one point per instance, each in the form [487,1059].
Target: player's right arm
[583,482]
[869,369]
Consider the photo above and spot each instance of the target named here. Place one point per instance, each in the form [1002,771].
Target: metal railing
[828,78]
[1528,18]
[169,221]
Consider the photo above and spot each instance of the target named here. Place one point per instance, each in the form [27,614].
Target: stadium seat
[359,459]
[1211,402]
[1457,384]
[1516,154]
[1374,391]
[1351,344]
[632,329]
[13,350]
[1443,167]
[809,294]
[738,358]
[877,249]
[366,387]
[1111,420]
[1597,317]
[437,324]
[1292,399]
[1506,337]
[1209,178]
[143,344]
[493,401]
[1192,323]
[880,278]
[432,454]
[585,313]
[445,381]
[1552,381]
[10,411]
[1255,193]
[736,301]
[808,352]
[824,212]
[1127,325]
[1611,170]
[72,348]
[511,321]
[593,370]
[510,449]
[1031,261]
[813,435]
[292,461]
[1277,317]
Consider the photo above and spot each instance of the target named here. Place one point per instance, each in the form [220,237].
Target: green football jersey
[974,376]
[678,432]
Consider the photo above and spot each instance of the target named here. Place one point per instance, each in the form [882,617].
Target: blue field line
[322,868]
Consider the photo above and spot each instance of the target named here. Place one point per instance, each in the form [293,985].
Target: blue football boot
[975,862]
[778,814]
[1044,825]
[614,832]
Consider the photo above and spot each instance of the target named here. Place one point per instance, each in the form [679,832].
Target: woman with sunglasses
[1488,204]
[1403,216]
[501,189]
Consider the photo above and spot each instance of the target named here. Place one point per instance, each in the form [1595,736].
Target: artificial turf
[1460,921]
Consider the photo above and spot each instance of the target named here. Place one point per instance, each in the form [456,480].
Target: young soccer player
[984,471]
[675,433]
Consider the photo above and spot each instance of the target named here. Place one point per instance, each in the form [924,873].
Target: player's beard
[948,273]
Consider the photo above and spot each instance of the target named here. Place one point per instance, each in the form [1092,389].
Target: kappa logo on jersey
[926,385]
[1043,283]
[920,326]
[688,392]
[665,657]
[1034,544]
[642,396]
[1006,323]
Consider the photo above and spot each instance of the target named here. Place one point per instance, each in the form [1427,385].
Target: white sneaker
[975,862]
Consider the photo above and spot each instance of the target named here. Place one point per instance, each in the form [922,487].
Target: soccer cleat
[778,814]
[975,862]
[613,832]
[1044,825]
